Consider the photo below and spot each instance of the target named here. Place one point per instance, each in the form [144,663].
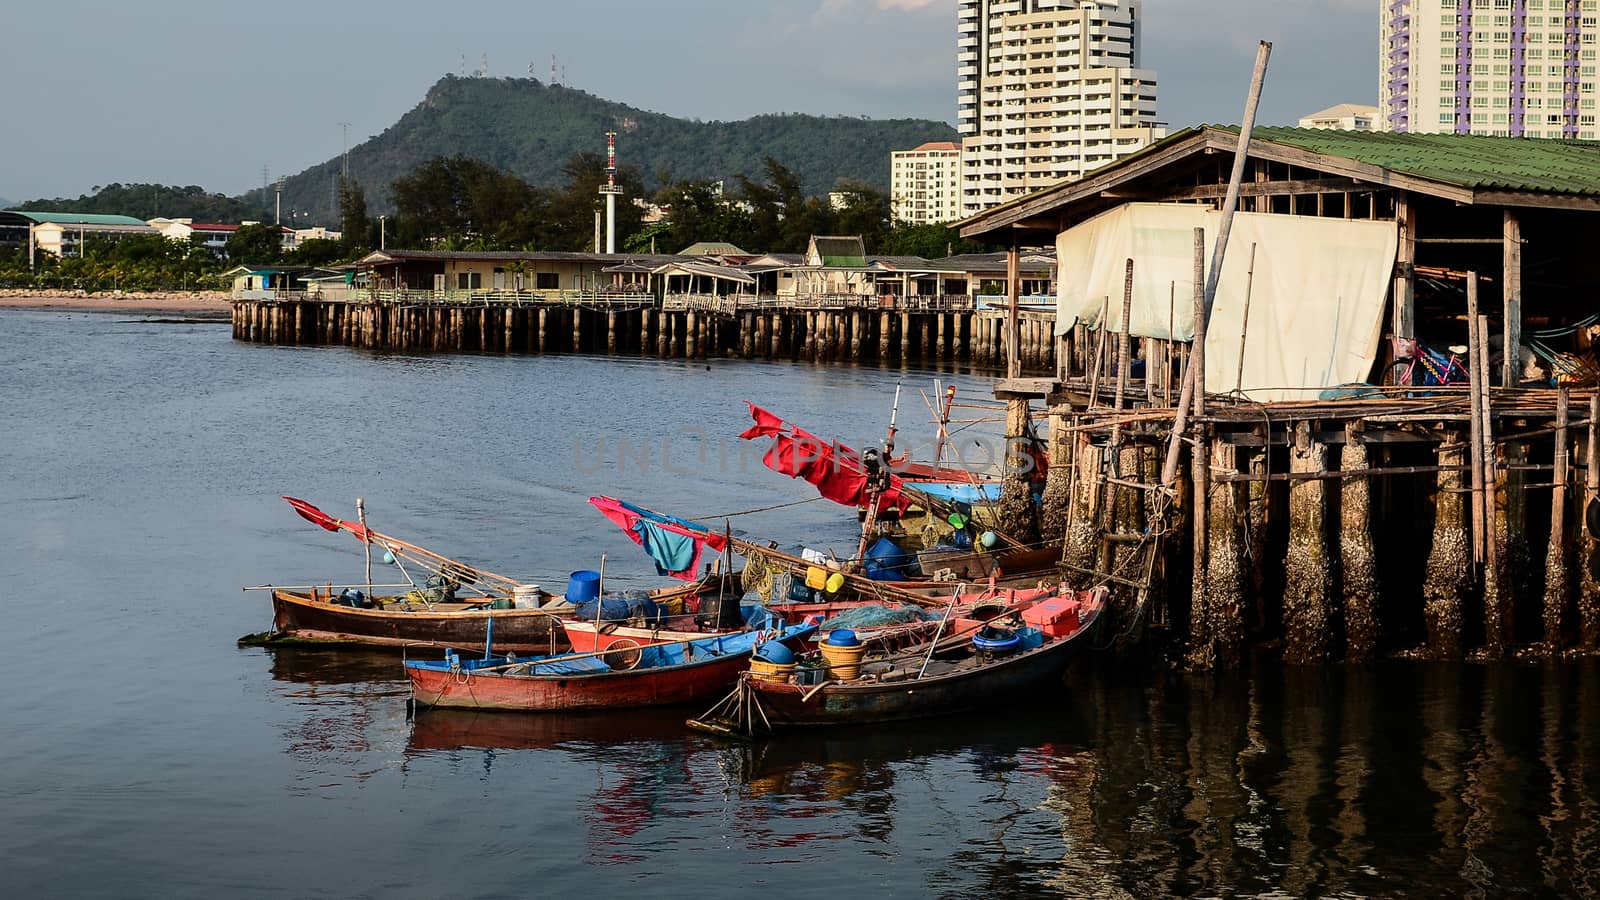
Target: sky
[187,92]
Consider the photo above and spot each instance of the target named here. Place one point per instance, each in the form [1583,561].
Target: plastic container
[527,596]
[583,586]
[762,670]
[844,663]
[774,652]
[843,637]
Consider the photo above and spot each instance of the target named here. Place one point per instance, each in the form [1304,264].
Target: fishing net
[876,616]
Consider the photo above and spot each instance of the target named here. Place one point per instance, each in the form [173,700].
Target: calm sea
[143,754]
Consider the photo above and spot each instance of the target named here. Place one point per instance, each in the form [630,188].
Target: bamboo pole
[1193,385]
[1589,594]
[1244,327]
[361,516]
[1099,353]
[1124,341]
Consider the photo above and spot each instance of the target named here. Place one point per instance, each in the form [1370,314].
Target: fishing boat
[498,611]
[618,677]
[970,665]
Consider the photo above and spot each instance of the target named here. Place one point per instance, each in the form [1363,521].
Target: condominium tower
[1047,90]
[925,183]
[1517,68]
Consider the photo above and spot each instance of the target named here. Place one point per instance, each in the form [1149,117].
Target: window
[469,281]
[546,281]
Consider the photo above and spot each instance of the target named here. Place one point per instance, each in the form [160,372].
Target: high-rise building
[925,183]
[1517,68]
[1047,90]
[1344,117]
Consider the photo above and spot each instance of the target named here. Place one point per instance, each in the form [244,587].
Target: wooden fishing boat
[654,675]
[960,673]
[985,602]
[315,616]
[505,615]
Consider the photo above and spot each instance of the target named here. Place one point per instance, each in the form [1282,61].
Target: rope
[759,510]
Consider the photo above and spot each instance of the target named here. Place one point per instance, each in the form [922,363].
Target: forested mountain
[147,201]
[532,129]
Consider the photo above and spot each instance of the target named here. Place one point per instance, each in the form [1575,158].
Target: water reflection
[1382,781]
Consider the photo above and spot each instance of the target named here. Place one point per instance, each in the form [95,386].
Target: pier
[1333,491]
[841,328]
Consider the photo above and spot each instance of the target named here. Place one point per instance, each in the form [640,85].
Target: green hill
[532,129]
[146,201]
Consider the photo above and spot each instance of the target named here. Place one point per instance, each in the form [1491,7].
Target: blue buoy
[388,557]
[843,637]
[583,586]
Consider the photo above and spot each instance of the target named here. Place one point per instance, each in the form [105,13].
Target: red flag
[766,424]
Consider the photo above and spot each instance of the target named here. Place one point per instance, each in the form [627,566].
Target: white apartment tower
[925,183]
[1512,68]
[1047,90]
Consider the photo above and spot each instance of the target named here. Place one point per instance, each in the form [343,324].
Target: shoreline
[187,303]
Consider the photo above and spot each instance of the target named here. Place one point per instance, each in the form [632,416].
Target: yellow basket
[844,663]
[762,670]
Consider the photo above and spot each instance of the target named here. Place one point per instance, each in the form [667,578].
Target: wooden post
[1055,505]
[1477,351]
[885,332]
[1555,562]
[1403,322]
[1448,575]
[1082,531]
[905,336]
[1124,340]
[1356,554]
[1511,368]
[1589,592]
[1200,642]
[611,333]
[1244,325]
[1224,565]
[1307,575]
[1013,312]
[940,348]
[691,336]
[1016,512]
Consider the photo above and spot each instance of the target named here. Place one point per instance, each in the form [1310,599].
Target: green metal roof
[1469,161]
[71,218]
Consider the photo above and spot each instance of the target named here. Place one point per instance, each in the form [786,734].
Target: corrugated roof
[72,218]
[840,251]
[1469,161]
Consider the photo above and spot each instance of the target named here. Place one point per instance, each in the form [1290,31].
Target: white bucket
[526,596]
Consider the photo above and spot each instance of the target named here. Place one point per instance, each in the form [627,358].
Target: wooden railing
[733,304]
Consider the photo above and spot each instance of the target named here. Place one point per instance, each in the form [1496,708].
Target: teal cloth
[671,551]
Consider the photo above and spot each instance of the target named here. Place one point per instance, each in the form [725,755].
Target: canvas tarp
[1316,296]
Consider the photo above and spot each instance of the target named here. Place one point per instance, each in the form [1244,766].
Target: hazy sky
[186,92]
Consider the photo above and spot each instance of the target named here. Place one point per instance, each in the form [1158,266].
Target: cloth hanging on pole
[674,544]
[834,469]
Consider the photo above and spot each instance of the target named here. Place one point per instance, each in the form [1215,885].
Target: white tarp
[1316,299]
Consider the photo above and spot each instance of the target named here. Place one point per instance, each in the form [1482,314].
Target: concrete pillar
[905,337]
[939,346]
[1223,646]
[691,335]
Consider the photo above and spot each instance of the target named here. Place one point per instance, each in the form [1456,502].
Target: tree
[318,252]
[256,245]
[353,219]
[927,241]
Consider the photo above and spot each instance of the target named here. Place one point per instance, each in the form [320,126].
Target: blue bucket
[843,637]
[583,586]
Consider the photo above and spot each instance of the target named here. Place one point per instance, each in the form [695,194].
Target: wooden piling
[1357,557]
[1307,573]
[1082,527]
[1055,504]
[1225,583]
[1016,513]
[1448,575]
[1589,565]
[1557,579]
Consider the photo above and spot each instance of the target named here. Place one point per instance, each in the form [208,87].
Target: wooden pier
[840,329]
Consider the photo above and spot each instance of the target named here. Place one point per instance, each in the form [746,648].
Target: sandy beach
[189,303]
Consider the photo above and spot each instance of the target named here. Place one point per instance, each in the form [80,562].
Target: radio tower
[610,189]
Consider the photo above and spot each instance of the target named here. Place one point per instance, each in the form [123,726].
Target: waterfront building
[214,235]
[925,183]
[1047,90]
[1344,117]
[62,233]
[1517,68]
